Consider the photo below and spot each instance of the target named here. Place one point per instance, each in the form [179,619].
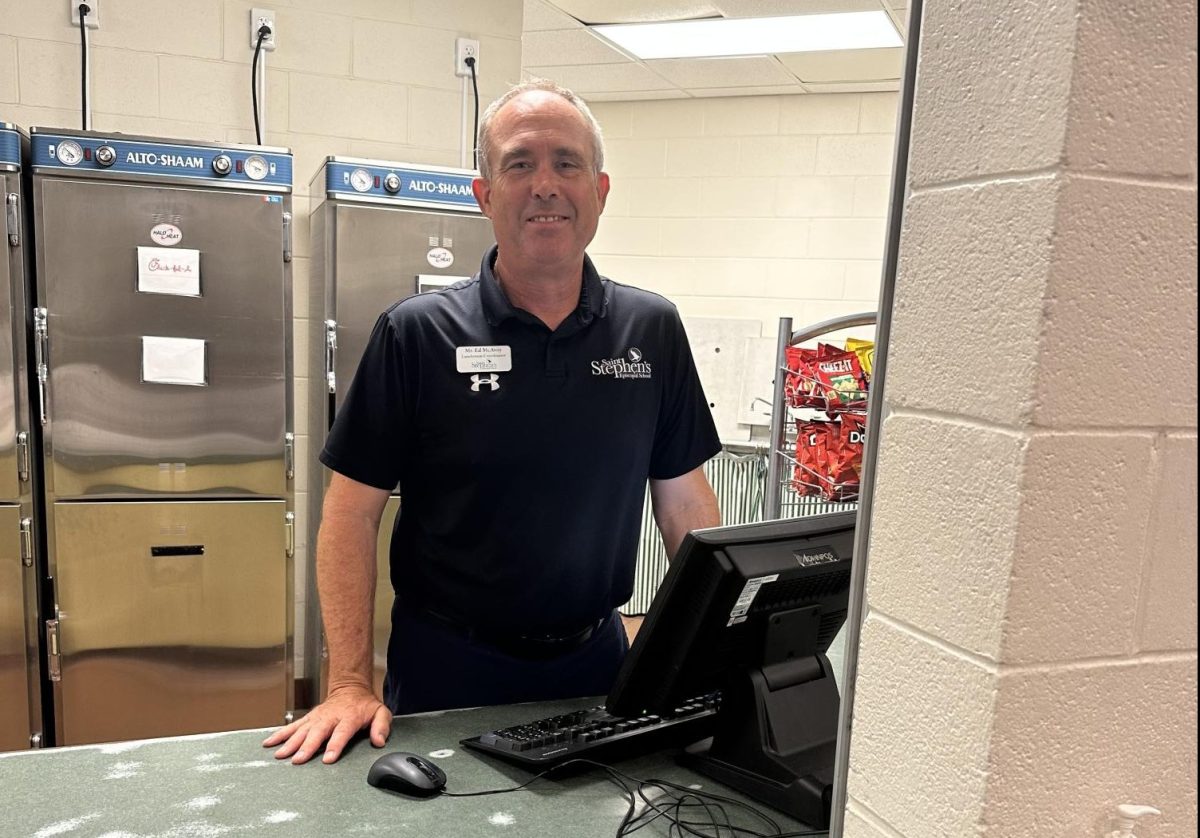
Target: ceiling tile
[775,90]
[845,65]
[631,95]
[746,71]
[782,8]
[636,11]
[567,47]
[599,78]
[856,87]
[540,16]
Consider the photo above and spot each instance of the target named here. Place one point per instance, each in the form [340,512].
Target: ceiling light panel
[754,36]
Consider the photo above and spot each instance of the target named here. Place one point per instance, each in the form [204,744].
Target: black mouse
[406,773]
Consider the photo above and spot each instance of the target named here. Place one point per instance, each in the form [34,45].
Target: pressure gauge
[361,180]
[69,152]
[256,167]
[392,182]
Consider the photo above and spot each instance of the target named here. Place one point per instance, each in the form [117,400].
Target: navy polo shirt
[522,489]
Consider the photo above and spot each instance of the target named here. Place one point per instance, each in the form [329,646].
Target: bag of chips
[840,378]
[812,456]
[865,350]
[800,385]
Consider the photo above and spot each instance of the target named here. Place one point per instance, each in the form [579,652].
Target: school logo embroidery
[632,365]
[492,382]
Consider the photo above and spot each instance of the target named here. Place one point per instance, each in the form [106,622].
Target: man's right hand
[344,712]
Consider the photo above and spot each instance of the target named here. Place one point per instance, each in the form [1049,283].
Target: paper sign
[169,271]
[173,361]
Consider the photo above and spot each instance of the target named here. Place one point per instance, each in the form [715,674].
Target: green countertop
[227,784]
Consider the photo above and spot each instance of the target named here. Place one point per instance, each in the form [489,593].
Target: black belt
[528,646]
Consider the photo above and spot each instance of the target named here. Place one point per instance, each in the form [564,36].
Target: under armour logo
[492,382]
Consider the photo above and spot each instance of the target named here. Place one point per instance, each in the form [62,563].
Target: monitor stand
[775,738]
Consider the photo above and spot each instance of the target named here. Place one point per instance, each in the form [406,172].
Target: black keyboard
[598,735]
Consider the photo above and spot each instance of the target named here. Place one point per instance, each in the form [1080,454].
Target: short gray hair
[485,123]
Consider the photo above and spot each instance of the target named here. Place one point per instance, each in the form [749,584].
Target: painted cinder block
[1168,597]
[847,238]
[189,29]
[425,59]
[635,158]
[699,156]
[1080,541]
[307,40]
[965,255]
[995,102]
[1133,92]
[684,118]
[945,519]
[774,156]
[814,197]
[1121,307]
[319,102]
[819,114]
[741,115]
[855,154]
[659,197]
[878,113]
[433,118]
[1069,743]
[8,69]
[738,197]
[922,720]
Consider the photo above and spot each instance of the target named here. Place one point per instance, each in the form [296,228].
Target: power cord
[263,32]
[687,811]
[470,62]
[84,11]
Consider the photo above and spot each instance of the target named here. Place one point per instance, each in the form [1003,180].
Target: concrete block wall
[1029,655]
[369,78]
[753,207]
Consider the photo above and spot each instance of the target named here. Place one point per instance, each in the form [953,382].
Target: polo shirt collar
[593,302]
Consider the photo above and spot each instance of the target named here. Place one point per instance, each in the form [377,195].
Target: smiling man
[522,412]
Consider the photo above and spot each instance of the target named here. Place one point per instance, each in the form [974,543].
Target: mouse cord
[688,811]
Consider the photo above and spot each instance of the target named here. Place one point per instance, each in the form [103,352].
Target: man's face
[544,196]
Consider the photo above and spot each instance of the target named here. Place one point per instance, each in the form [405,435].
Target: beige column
[1028,660]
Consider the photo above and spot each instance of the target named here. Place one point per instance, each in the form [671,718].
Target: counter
[227,784]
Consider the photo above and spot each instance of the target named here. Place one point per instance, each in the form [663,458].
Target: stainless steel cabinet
[163,342]
[373,246]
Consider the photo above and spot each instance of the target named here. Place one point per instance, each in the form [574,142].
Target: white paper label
[168,235]
[436,282]
[173,361]
[484,358]
[175,271]
[440,257]
[742,607]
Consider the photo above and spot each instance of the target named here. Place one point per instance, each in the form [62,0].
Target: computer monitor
[750,610]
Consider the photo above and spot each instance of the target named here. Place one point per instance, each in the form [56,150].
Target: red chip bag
[845,475]
[800,386]
[812,456]
[840,377]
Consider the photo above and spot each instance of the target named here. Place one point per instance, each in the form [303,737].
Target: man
[521,413]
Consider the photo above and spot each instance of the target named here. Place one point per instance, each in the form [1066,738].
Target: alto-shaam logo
[632,365]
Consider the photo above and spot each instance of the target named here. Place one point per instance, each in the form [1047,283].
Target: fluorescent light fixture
[753,36]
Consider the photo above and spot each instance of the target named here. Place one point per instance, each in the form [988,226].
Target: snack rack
[782,462]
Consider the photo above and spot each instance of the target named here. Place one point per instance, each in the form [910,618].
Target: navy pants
[433,667]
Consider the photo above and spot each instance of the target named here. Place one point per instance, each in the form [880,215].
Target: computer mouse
[406,773]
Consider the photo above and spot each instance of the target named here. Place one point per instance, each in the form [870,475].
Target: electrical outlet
[258,17]
[465,48]
[93,15]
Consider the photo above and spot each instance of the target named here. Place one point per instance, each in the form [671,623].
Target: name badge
[484,358]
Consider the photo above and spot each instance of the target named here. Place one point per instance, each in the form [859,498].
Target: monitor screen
[749,611]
